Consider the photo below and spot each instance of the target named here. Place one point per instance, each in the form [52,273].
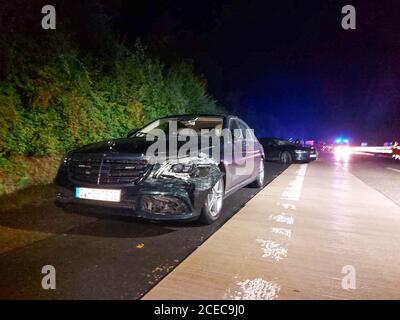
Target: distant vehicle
[342,150]
[323,146]
[309,143]
[117,173]
[286,152]
[327,147]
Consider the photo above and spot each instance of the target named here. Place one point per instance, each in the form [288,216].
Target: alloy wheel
[215,198]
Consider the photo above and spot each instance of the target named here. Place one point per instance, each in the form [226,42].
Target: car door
[271,150]
[267,144]
[235,166]
[251,152]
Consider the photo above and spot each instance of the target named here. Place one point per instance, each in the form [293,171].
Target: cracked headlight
[182,170]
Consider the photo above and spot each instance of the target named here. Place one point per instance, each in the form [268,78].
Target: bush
[58,92]
[68,102]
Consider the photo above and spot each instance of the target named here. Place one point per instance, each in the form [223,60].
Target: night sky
[286,67]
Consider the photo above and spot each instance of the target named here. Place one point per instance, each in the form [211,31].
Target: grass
[19,172]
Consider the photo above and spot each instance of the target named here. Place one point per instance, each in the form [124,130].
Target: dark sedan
[286,152]
[136,173]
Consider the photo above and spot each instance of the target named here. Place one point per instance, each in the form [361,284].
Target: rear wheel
[286,157]
[212,207]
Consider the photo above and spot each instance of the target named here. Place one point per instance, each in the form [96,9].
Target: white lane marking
[293,191]
[272,249]
[256,289]
[288,206]
[259,289]
[282,231]
[282,218]
[393,169]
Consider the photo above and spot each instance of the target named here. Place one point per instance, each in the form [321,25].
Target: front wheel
[286,158]
[212,207]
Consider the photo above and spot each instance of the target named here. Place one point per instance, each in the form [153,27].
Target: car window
[283,143]
[184,125]
[271,143]
[236,129]
[247,132]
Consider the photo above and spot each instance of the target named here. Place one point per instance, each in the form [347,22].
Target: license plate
[98,194]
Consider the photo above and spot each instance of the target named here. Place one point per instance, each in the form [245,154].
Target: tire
[259,182]
[212,211]
[286,157]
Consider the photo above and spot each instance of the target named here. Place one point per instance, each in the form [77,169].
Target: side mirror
[131,132]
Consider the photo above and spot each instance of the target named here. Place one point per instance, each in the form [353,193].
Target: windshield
[283,142]
[183,126]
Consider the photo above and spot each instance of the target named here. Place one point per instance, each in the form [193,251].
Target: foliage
[68,102]
[58,91]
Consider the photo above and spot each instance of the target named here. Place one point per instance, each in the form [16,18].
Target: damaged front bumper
[155,198]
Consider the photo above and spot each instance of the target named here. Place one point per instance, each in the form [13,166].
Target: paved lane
[380,172]
[95,255]
[316,232]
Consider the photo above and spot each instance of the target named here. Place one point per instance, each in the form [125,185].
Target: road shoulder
[296,239]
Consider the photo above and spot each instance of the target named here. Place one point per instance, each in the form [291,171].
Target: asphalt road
[96,255]
[318,231]
[378,171]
